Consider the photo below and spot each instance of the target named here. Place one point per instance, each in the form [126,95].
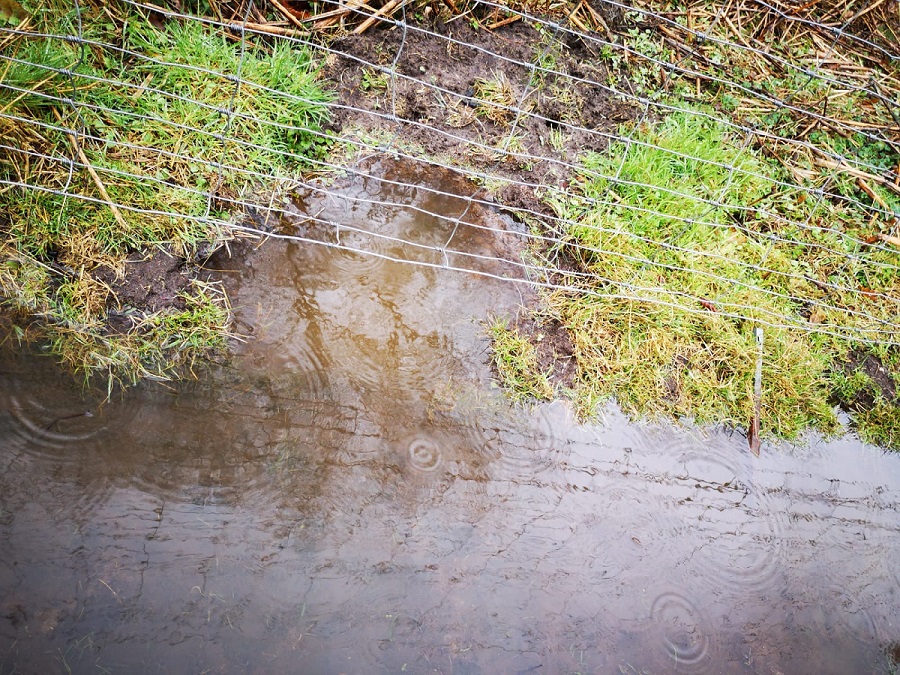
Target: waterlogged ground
[350,495]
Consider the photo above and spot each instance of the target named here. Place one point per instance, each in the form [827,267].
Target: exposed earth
[452,101]
[442,125]
[437,106]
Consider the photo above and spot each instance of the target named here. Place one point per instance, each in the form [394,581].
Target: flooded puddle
[351,495]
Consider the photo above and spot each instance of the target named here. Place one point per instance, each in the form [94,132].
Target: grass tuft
[677,245]
[153,345]
[516,362]
[139,142]
[496,99]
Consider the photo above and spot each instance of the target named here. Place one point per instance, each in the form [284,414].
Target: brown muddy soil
[431,107]
[151,283]
[554,348]
[441,125]
[881,384]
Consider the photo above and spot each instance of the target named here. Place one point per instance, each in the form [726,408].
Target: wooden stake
[753,434]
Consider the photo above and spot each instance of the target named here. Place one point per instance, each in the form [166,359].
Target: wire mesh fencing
[736,162]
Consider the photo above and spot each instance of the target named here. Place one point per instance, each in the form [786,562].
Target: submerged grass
[678,244]
[138,140]
[158,343]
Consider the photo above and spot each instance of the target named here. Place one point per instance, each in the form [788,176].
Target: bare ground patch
[457,102]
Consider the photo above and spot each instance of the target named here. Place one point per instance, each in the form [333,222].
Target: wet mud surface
[152,282]
[881,383]
[435,123]
[433,103]
[351,495]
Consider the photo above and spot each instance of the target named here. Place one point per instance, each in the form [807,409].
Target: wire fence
[737,158]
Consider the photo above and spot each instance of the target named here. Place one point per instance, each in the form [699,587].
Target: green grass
[812,107]
[157,345]
[661,353]
[516,364]
[678,245]
[161,135]
[495,97]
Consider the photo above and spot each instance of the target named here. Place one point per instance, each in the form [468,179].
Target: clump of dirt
[152,283]
[880,382]
[157,281]
[553,346]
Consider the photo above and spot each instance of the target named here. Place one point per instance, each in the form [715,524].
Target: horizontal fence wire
[845,171]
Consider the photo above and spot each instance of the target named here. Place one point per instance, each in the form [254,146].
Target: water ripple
[738,524]
[682,630]
[424,455]
[52,423]
[852,616]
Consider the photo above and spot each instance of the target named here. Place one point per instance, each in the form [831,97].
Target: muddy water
[349,494]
